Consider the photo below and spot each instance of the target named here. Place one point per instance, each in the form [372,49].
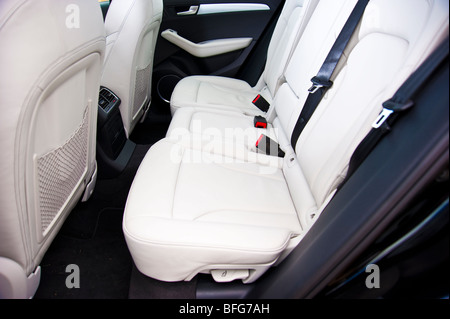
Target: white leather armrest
[207,48]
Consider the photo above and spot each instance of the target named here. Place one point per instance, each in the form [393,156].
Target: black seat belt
[392,108]
[321,82]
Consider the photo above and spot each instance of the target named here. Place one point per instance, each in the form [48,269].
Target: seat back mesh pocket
[60,171]
[141,87]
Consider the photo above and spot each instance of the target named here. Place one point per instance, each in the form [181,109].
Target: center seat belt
[321,82]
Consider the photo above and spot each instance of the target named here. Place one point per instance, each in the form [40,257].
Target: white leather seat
[131,28]
[216,92]
[195,210]
[51,60]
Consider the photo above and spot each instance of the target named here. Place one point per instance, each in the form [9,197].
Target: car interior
[224,149]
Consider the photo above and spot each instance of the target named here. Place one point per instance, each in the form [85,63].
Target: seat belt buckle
[260,122]
[261,103]
[267,146]
[318,84]
[390,107]
[384,114]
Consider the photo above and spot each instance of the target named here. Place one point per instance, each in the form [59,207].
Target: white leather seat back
[51,60]
[392,41]
[131,28]
[289,28]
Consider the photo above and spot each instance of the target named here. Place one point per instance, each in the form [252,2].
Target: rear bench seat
[232,94]
[195,210]
[312,48]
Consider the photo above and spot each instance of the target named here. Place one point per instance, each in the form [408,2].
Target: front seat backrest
[132,29]
[50,60]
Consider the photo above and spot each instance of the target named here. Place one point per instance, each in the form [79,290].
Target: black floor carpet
[152,129]
[92,238]
[143,287]
[103,261]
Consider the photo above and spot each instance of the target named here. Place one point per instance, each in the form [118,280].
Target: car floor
[92,236]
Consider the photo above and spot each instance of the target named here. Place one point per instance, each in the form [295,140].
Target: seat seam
[176,184]
[279,179]
[118,31]
[197,245]
[239,210]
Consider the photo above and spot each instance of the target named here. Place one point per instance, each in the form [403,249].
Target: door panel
[198,23]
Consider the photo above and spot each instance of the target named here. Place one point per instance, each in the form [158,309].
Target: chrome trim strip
[213,8]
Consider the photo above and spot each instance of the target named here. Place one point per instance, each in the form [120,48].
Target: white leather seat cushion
[178,223]
[220,128]
[215,92]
